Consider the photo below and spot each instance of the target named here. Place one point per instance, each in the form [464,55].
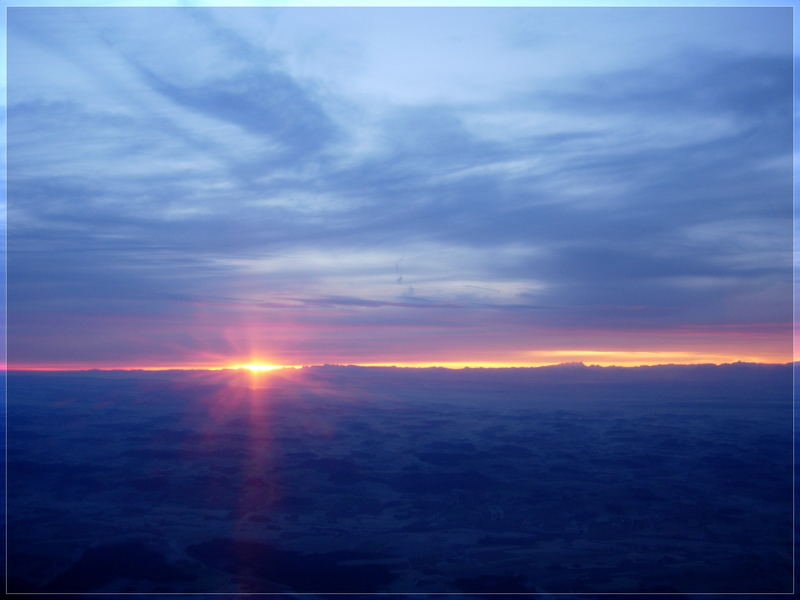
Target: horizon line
[432,365]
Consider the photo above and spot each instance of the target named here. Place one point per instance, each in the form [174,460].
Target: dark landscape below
[567,479]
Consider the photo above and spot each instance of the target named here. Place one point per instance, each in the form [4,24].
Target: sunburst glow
[263,367]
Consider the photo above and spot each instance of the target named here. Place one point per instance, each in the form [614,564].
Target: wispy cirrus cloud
[551,173]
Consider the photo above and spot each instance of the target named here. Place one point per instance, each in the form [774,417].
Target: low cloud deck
[336,479]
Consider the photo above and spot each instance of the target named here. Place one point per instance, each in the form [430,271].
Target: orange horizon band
[409,365]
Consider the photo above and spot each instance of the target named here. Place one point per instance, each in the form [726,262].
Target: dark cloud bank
[348,479]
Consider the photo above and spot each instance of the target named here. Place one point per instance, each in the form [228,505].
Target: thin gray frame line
[790,4]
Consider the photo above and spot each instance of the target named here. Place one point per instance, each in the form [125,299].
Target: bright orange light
[263,367]
[607,358]
[601,358]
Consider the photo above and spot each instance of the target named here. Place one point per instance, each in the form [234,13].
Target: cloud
[651,192]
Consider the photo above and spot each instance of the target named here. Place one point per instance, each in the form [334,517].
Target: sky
[455,186]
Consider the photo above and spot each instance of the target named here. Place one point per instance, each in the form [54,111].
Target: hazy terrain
[347,479]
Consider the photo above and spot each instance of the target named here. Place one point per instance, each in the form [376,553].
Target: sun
[260,367]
